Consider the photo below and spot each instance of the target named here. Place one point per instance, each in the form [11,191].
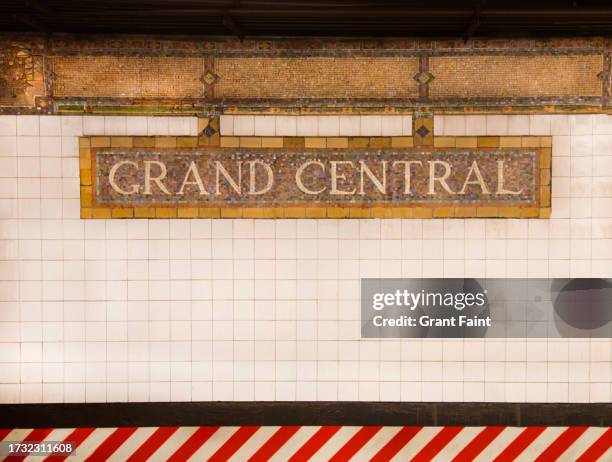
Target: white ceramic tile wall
[342,125]
[138,310]
[139,126]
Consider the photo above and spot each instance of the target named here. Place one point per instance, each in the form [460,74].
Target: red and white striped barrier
[327,443]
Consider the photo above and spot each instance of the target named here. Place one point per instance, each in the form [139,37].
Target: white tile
[136,126]
[349,125]
[602,145]
[454,126]
[475,125]
[559,124]
[8,145]
[93,125]
[307,126]
[179,126]
[329,126]
[286,125]
[8,125]
[581,145]
[265,125]
[391,125]
[28,125]
[539,125]
[70,146]
[193,126]
[602,124]
[277,271]
[561,146]
[226,125]
[497,125]
[72,126]
[244,125]
[50,146]
[439,125]
[158,126]
[518,125]
[581,124]
[8,167]
[602,167]
[115,125]
[407,125]
[371,125]
[28,146]
[50,126]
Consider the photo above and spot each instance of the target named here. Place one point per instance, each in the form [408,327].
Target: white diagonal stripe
[175,441]
[606,455]
[91,443]
[334,444]
[251,445]
[500,443]
[213,443]
[18,434]
[57,435]
[582,444]
[417,443]
[460,441]
[540,444]
[294,444]
[381,438]
[130,445]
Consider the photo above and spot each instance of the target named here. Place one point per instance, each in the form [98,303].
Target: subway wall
[240,309]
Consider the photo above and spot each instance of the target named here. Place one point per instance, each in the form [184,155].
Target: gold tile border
[90,211]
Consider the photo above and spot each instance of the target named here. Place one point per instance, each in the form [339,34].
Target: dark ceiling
[428,18]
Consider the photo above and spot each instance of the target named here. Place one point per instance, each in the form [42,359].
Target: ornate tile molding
[130,75]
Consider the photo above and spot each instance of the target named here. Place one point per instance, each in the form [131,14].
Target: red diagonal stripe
[111,444]
[77,436]
[436,444]
[274,443]
[192,444]
[236,441]
[36,435]
[520,443]
[314,443]
[477,445]
[353,445]
[395,444]
[152,444]
[560,445]
[598,448]
[4,432]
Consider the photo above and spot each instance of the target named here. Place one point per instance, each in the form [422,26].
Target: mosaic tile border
[89,143]
[44,99]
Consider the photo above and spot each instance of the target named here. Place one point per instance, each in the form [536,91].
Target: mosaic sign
[213,177]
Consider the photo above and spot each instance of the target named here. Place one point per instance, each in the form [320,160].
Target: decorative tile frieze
[148,75]
[422,129]
[21,73]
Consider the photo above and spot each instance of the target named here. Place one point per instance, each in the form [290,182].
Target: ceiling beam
[368,12]
[231,25]
[31,22]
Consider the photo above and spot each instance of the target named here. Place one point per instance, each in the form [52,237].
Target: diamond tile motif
[422,131]
[209,131]
[209,78]
[423,77]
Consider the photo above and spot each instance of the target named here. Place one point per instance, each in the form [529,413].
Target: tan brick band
[316,77]
[122,75]
[540,209]
[515,76]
